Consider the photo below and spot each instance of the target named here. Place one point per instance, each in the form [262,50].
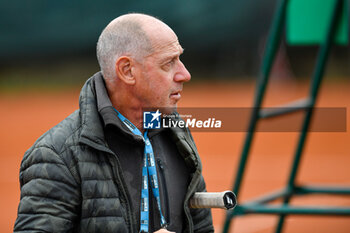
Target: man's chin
[169,109]
[164,110]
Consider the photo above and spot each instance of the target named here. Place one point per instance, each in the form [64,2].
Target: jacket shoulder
[57,138]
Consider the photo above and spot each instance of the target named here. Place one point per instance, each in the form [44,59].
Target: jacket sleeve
[49,193]
[202,219]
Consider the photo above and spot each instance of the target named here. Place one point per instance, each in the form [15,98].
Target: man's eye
[169,64]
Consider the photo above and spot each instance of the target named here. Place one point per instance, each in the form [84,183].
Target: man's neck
[134,115]
[128,107]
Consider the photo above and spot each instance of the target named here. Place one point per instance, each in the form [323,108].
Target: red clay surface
[25,116]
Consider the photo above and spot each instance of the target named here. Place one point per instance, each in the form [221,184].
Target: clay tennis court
[26,115]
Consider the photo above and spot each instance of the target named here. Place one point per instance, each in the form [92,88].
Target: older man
[99,170]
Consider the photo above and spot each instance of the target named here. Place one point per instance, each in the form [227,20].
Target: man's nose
[182,74]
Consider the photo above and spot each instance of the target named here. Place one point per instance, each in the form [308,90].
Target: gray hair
[123,36]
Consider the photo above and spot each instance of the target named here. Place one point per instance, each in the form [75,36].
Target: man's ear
[123,69]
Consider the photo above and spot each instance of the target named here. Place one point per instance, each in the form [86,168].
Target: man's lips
[176,95]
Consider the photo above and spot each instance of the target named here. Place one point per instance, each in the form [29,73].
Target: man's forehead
[174,47]
[167,49]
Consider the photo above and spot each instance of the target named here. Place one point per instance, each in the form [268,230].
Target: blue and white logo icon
[151,120]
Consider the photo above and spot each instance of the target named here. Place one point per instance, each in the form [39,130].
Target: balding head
[139,56]
[128,35]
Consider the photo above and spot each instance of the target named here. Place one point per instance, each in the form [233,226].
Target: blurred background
[223,40]
[47,52]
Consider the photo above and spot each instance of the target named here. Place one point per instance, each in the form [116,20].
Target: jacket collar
[108,113]
[96,112]
[92,132]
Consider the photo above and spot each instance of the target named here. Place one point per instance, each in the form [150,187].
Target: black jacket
[71,181]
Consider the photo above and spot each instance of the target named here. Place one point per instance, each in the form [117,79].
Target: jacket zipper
[125,194]
[165,189]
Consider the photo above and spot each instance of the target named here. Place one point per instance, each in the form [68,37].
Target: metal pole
[316,81]
[269,55]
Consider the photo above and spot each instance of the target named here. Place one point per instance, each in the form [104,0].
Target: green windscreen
[308,22]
